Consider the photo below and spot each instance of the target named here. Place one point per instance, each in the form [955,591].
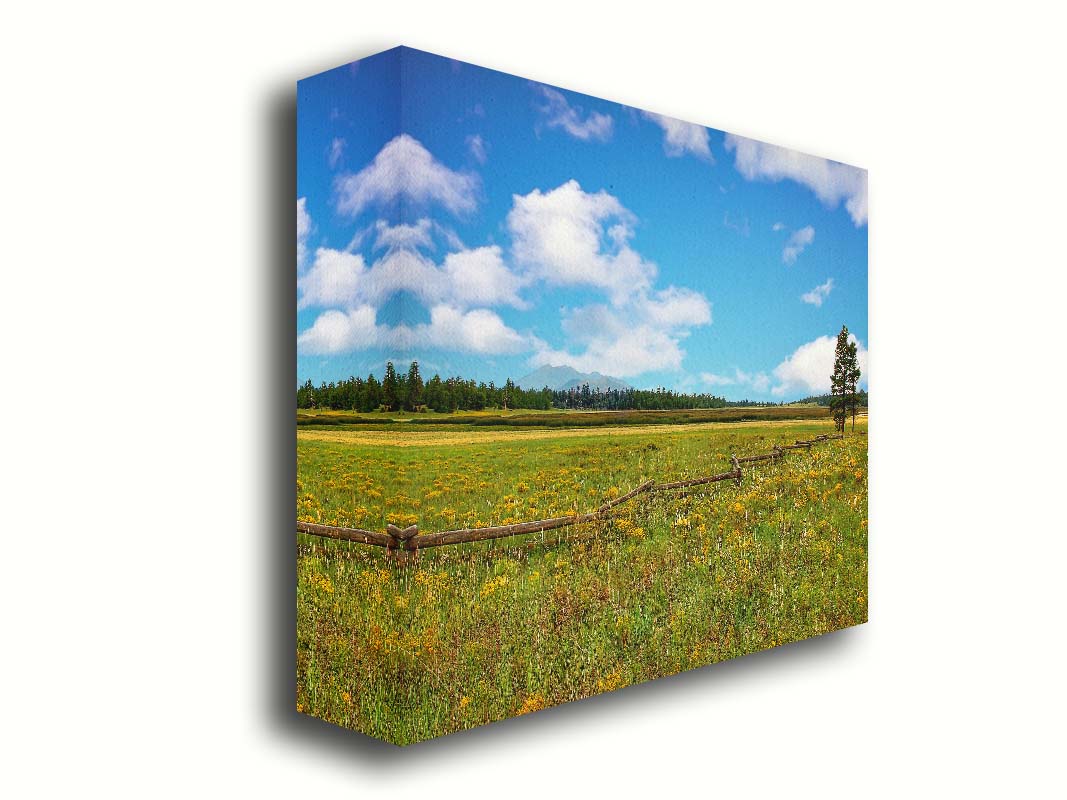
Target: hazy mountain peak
[561,378]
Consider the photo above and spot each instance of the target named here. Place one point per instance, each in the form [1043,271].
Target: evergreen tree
[434,396]
[372,394]
[839,381]
[451,400]
[390,388]
[414,387]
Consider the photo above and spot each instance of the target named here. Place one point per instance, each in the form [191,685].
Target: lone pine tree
[839,381]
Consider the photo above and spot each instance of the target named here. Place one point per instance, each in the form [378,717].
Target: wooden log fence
[409,539]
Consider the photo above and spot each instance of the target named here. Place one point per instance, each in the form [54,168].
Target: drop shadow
[275,510]
[576,720]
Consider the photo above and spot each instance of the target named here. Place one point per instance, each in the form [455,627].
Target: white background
[148,327]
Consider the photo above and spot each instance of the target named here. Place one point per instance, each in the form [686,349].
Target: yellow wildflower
[534,702]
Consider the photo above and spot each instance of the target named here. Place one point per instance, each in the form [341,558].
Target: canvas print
[581,396]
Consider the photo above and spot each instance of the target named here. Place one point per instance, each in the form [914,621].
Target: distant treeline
[408,392]
[824,399]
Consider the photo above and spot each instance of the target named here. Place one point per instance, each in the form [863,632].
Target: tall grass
[469,634]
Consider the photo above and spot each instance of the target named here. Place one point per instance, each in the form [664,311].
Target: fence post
[737,468]
[402,547]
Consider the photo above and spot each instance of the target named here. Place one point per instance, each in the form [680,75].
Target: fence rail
[409,539]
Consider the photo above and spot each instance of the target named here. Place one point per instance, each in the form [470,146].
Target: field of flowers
[469,634]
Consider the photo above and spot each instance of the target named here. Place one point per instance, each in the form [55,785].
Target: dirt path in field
[403,438]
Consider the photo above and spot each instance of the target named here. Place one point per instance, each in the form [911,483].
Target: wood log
[722,476]
[761,457]
[346,534]
[403,536]
[644,487]
[466,535]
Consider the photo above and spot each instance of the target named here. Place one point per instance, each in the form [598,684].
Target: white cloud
[337,151]
[808,369]
[479,277]
[468,278]
[303,231]
[558,113]
[333,280]
[674,308]
[643,335]
[477,331]
[631,351]
[562,237]
[339,331]
[558,237]
[405,169]
[831,181]
[711,379]
[681,137]
[403,271]
[819,293]
[392,237]
[778,226]
[568,237]
[476,145]
[758,382]
[796,244]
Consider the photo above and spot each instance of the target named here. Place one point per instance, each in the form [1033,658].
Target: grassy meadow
[468,634]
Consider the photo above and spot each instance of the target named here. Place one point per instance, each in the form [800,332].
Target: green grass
[469,634]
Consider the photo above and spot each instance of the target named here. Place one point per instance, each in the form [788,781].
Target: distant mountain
[564,378]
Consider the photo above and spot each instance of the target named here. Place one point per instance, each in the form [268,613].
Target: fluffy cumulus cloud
[562,237]
[559,237]
[569,237]
[831,181]
[798,241]
[348,288]
[404,169]
[334,279]
[336,331]
[556,112]
[617,342]
[819,293]
[477,331]
[808,369]
[466,278]
[680,138]
[480,277]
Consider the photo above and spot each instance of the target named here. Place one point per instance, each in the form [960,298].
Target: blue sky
[486,225]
